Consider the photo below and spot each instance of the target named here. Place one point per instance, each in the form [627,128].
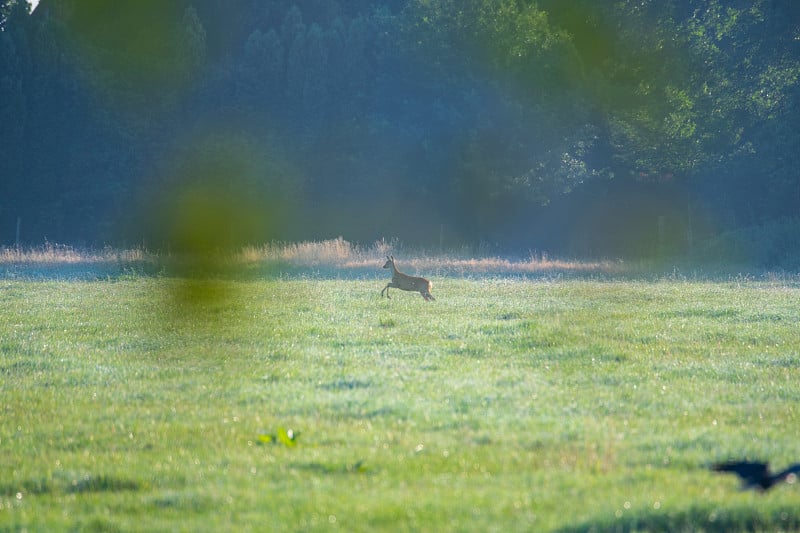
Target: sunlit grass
[57,253]
[334,254]
[507,404]
[345,255]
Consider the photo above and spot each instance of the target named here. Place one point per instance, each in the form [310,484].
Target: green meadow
[309,403]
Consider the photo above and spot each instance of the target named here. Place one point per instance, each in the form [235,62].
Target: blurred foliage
[218,194]
[144,46]
[418,119]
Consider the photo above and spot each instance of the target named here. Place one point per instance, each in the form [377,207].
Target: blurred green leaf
[287,437]
[266,439]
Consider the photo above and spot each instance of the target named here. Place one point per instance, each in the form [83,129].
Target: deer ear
[392,258]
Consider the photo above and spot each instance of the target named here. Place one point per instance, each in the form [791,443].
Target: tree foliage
[399,118]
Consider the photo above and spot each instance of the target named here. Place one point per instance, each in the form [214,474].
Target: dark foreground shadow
[696,518]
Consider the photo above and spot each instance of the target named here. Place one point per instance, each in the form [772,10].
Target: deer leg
[386,288]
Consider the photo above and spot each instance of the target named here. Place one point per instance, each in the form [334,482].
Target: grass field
[308,403]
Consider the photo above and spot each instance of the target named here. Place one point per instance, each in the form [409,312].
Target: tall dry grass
[50,253]
[334,252]
[341,254]
[337,254]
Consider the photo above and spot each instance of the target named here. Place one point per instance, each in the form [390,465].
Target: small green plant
[287,437]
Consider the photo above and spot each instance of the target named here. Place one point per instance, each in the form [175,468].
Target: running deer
[404,282]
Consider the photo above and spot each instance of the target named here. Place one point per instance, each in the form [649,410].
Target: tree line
[581,127]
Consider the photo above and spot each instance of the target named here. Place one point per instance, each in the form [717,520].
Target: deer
[404,282]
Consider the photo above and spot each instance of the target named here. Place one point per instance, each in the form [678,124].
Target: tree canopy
[542,124]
